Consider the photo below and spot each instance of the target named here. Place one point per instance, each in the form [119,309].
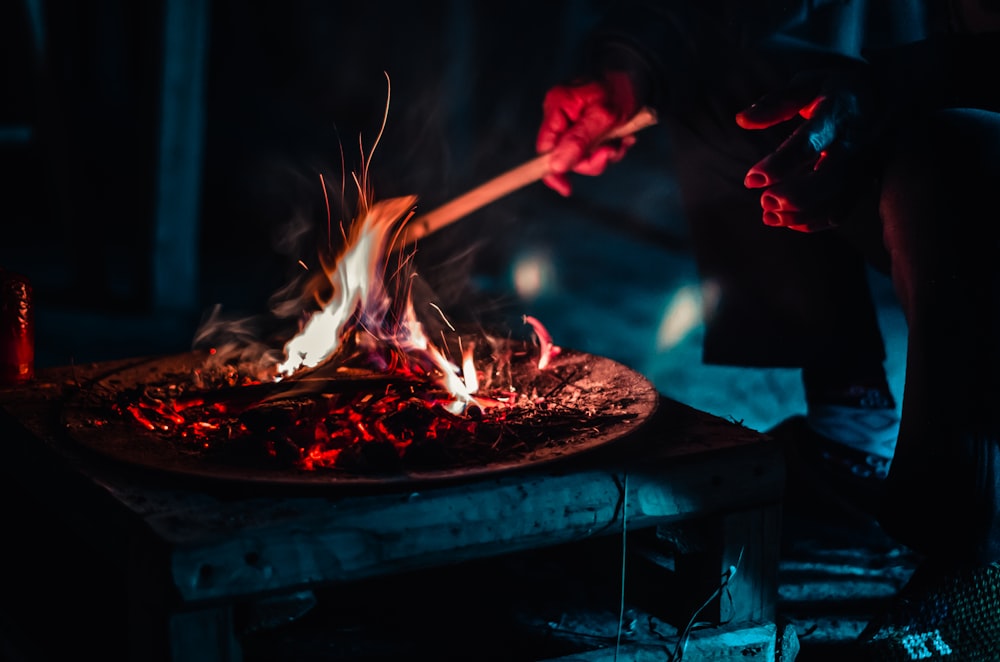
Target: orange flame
[353,303]
[549,350]
[358,287]
[359,299]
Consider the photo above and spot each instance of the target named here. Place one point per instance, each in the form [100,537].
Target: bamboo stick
[518,177]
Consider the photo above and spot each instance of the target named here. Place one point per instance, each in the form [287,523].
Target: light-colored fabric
[870,431]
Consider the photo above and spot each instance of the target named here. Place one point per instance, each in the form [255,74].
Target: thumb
[778,107]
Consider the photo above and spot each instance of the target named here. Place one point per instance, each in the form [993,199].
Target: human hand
[810,177]
[574,120]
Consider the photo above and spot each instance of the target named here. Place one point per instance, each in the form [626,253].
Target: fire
[358,287]
[360,305]
[360,320]
[469,375]
[549,350]
[359,301]
[357,323]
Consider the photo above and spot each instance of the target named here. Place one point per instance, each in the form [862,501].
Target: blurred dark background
[158,158]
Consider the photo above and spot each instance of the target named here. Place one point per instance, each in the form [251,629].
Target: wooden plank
[345,540]
[716,568]
[751,550]
[745,642]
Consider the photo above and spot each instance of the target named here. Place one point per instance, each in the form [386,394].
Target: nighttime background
[160,159]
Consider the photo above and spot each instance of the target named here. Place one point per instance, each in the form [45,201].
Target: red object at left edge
[17,330]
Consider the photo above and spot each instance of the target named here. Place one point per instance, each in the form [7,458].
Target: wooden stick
[518,177]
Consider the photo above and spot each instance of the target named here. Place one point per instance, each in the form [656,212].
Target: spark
[326,200]
[441,313]
[444,342]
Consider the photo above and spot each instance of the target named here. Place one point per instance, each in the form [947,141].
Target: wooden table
[197,551]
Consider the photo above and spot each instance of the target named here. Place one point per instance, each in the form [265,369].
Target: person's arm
[645,54]
[844,116]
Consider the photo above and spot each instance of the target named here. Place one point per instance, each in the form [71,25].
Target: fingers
[810,219]
[799,221]
[554,124]
[773,109]
[800,151]
[596,162]
[803,99]
[558,183]
[574,120]
[803,203]
[576,142]
[561,108]
[807,174]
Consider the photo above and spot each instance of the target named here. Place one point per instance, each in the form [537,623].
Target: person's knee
[944,168]
[944,154]
[937,186]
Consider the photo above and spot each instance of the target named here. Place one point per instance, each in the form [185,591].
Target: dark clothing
[783,299]
[938,188]
[922,210]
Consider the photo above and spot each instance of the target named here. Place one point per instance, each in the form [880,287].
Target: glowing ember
[351,427]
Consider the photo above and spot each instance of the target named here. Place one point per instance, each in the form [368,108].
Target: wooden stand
[199,551]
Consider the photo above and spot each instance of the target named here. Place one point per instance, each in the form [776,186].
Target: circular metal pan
[607,402]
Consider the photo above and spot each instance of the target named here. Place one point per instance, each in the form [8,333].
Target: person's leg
[943,489]
[945,243]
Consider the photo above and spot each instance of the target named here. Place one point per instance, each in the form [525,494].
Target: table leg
[161,629]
